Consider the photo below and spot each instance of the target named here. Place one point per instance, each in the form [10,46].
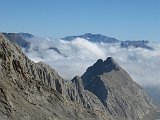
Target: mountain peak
[93,38]
[113,64]
[106,66]
[115,89]
[110,59]
[100,67]
[88,34]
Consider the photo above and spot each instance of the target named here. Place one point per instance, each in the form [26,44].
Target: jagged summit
[116,90]
[105,66]
[99,68]
[110,60]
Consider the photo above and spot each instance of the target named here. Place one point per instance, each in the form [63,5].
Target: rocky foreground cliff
[34,91]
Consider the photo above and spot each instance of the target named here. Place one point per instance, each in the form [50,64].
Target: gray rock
[34,91]
[122,97]
[76,93]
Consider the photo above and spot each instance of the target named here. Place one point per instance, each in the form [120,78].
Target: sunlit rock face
[35,91]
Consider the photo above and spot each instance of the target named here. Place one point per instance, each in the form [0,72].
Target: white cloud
[141,64]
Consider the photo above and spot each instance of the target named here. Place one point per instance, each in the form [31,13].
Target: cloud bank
[77,55]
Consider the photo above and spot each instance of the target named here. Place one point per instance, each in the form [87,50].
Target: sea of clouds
[76,56]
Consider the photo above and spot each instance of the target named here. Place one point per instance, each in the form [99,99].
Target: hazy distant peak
[26,35]
[136,44]
[21,34]
[19,38]
[92,38]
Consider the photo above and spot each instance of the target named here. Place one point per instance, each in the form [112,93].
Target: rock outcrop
[34,91]
[77,94]
[120,95]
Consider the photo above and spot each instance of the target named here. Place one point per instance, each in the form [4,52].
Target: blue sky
[122,19]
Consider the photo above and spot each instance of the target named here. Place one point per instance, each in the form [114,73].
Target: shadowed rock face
[99,68]
[77,94]
[34,91]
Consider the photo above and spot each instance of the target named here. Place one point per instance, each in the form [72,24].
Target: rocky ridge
[34,91]
[120,95]
[93,38]
[136,44]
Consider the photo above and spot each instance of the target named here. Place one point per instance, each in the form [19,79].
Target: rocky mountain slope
[122,97]
[34,91]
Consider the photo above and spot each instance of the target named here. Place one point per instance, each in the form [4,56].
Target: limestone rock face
[121,96]
[34,91]
[18,65]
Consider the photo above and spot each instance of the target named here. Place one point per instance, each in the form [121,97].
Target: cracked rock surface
[34,91]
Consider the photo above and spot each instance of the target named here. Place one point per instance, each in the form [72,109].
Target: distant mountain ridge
[93,38]
[136,44]
[104,39]
[19,38]
[22,40]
